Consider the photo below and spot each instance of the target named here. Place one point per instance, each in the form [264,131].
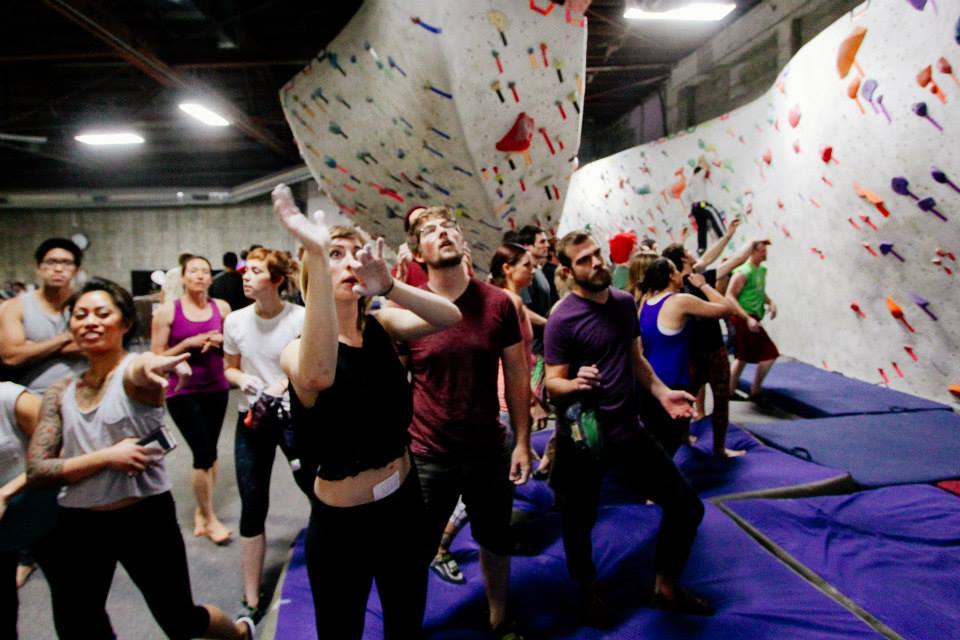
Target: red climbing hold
[519,136]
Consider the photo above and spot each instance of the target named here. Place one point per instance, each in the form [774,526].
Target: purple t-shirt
[582,332]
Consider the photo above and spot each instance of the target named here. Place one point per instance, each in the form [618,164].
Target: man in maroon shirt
[458,443]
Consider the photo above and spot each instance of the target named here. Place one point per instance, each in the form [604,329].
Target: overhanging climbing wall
[476,105]
[850,164]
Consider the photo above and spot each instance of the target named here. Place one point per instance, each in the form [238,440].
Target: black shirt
[229,286]
[361,421]
[705,333]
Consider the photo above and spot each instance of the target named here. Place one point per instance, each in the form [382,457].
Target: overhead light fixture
[204,115]
[107,138]
[695,11]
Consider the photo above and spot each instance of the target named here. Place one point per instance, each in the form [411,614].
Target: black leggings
[254,451]
[576,479]
[348,548]
[199,416]
[706,216]
[145,538]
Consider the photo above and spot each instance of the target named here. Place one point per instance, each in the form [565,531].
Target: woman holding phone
[116,505]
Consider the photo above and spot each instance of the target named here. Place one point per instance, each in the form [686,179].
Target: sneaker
[251,627]
[447,568]
[507,630]
[254,613]
[683,601]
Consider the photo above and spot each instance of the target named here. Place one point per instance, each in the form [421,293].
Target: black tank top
[361,421]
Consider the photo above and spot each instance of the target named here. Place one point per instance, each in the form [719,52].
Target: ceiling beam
[626,87]
[92,18]
[647,66]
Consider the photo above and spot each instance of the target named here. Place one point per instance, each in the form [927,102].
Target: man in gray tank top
[34,341]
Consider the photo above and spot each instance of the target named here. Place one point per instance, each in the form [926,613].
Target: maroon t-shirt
[455,408]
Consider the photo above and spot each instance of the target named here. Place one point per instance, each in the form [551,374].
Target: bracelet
[393,282]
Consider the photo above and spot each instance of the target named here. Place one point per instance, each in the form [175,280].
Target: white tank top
[13,443]
[38,325]
[116,417]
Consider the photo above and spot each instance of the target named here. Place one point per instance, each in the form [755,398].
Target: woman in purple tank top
[665,336]
[193,323]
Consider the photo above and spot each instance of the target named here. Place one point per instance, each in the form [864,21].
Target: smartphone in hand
[161,438]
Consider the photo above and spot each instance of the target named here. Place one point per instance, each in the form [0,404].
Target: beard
[596,283]
[446,262]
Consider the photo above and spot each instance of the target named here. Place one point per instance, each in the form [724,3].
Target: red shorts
[753,347]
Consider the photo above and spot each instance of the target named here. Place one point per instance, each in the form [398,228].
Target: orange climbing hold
[897,313]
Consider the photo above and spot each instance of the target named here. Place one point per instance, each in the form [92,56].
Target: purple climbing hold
[918,4]
[929,204]
[902,186]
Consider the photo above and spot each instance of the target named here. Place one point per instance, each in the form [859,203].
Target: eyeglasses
[53,263]
[433,228]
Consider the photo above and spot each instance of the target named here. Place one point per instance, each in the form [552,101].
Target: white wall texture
[401,109]
[768,170]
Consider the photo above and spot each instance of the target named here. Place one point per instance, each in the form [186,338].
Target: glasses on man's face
[429,229]
[53,263]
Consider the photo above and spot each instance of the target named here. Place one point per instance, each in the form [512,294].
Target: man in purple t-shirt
[594,356]
[458,443]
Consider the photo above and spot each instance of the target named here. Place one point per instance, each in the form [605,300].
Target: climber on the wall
[704,213]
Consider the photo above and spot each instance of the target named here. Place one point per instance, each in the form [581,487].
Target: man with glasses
[34,340]
[459,445]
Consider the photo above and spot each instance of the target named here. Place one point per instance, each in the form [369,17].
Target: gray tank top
[13,443]
[116,417]
[38,325]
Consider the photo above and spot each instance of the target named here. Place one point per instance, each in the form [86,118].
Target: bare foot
[199,523]
[24,571]
[730,453]
[218,532]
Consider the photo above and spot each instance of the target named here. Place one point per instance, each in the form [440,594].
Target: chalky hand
[314,236]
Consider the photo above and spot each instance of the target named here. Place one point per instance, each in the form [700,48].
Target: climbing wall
[850,163]
[472,104]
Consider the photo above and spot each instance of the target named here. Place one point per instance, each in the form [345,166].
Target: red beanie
[621,246]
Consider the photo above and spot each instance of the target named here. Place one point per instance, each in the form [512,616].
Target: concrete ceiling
[69,65]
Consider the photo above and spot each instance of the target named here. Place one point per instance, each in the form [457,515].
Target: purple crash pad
[756,596]
[894,551]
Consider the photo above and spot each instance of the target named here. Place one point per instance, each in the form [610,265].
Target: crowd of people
[403,400]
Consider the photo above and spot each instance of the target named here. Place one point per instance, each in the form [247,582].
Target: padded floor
[894,551]
[756,596]
[877,450]
[812,392]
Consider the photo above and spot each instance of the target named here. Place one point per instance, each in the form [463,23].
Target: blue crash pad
[811,392]
[877,450]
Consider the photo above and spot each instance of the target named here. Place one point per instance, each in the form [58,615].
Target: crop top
[361,421]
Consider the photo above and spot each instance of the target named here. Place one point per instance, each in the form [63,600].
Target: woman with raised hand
[116,505]
[347,385]
[253,339]
[666,340]
[193,324]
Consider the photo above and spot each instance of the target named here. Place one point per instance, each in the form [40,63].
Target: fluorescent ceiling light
[204,115]
[700,11]
[119,137]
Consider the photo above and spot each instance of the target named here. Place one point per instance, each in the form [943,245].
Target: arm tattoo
[44,467]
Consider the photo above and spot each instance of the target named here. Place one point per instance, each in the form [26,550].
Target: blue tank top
[669,355]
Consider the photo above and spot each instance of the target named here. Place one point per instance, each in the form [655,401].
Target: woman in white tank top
[116,505]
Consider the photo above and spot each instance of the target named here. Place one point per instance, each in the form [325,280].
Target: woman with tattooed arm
[116,506]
